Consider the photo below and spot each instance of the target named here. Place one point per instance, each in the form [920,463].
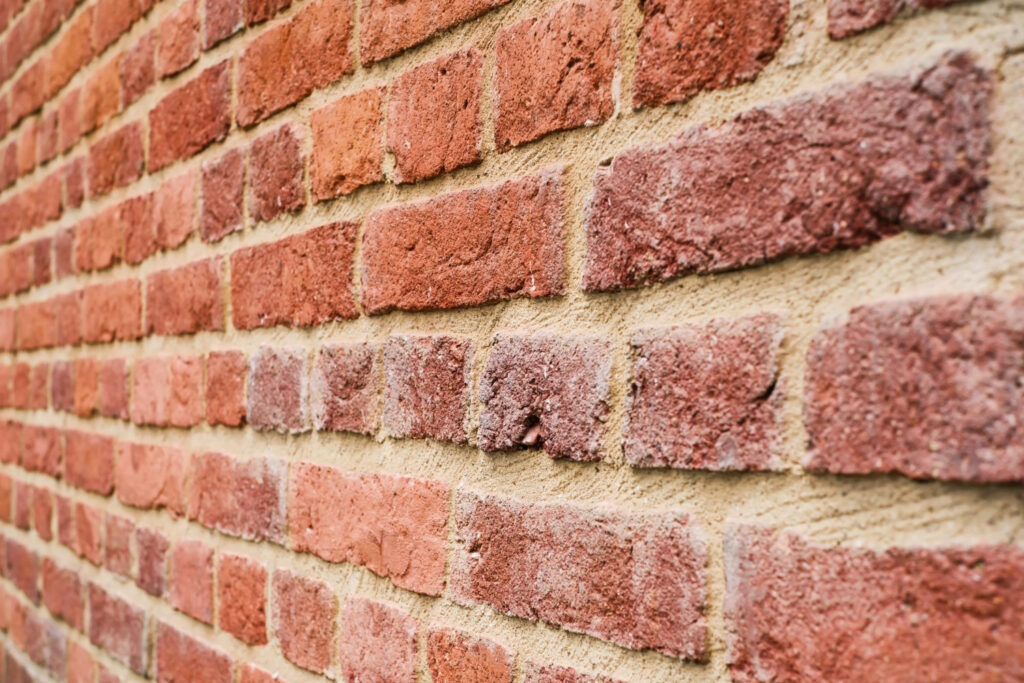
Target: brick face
[347,144]
[345,389]
[242,498]
[380,643]
[242,588]
[305,612]
[457,656]
[389,27]
[276,174]
[191,117]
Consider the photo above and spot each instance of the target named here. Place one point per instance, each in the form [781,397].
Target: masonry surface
[544,341]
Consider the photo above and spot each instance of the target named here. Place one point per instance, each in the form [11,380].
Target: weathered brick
[239,497]
[178,39]
[301,280]
[848,17]
[99,241]
[922,613]
[753,190]
[277,390]
[250,673]
[191,580]
[116,160]
[286,63]
[467,248]
[174,210]
[71,52]
[225,387]
[101,96]
[86,391]
[168,390]
[62,594]
[10,442]
[551,673]
[27,141]
[691,45]
[180,657]
[222,196]
[277,171]
[434,117]
[42,513]
[190,118]
[546,391]
[706,396]
[22,505]
[42,450]
[186,299]
[152,547]
[81,667]
[389,27]
[113,17]
[257,11]
[89,533]
[47,136]
[427,387]
[223,20]
[634,579]
[379,642]
[89,461]
[150,476]
[346,388]
[66,523]
[928,388]
[455,656]
[136,216]
[333,516]
[137,68]
[555,72]
[305,612]
[348,150]
[113,381]
[118,545]
[74,182]
[22,569]
[242,588]
[117,627]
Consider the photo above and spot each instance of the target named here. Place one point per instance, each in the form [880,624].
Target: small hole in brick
[532,436]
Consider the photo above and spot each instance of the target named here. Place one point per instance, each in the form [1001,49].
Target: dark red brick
[152,548]
[190,118]
[257,11]
[180,657]
[116,160]
[222,196]
[305,612]
[238,497]
[185,300]
[848,17]
[277,171]
[348,149]
[346,388]
[379,642]
[390,27]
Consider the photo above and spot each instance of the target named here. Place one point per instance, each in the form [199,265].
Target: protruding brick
[927,613]
[116,160]
[117,627]
[225,387]
[222,195]
[178,39]
[348,146]
[305,612]
[929,388]
[277,172]
[848,17]
[753,191]
[427,387]
[191,580]
[149,476]
[301,280]
[62,594]
[242,589]
[89,461]
[346,388]
[691,45]
[434,117]
[278,390]
[389,28]
[168,390]
[185,300]
[706,396]
[332,515]
[243,498]
[286,63]
[556,72]
[153,547]
[634,579]
[546,391]
[379,642]
[180,657]
[454,656]
[112,311]
[191,117]
[467,248]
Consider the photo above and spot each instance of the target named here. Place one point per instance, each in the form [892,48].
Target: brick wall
[511,340]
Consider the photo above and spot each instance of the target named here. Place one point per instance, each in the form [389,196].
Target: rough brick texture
[191,117]
[346,388]
[242,588]
[848,17]
[277,390]
[276,174]
[390,27]
[454,656]
[180,657]
[191,579]
[380,642]
[347,151]
[185,300]
[305,612]
[242,498]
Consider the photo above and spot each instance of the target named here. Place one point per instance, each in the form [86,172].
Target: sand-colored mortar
[874,511]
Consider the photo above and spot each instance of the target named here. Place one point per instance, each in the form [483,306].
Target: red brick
[691,45]
[548,392]
[348,149]
[116,160]
[923,614]
[113,17]
[117,627]
[458,657]
[723,377]
[190,118]
[174,210]
[505,239]
[152,547]
[191,580]
[99,241]
[89,533]
[42,513]
[69,122]
[41,256]
[74,182]
[243,498]
[389,27]
[928,388]
[27,147]
[222,196]
[277,390]
[105,675]
[286,63]
[101,96]
[276,174]
[36,325]
[178,39]
[150,476]
[180,657]
[86,392]
[6,386]
[550,673]
[305,612]
[302,280]
[42,450]
[22,505]
[27,92]
[22,569]
[8,317]
[118,546]
[62,594]
[112,311]
[185,300]
[137,69]
[225,388]
[168,391]
[81,667]
[346,388]
[113,388]
[336,517]
[379,642]
[556,72]
[241,596]
[634,579]
[62,386]
[250,673]
[668,211]
[66,531]
[6,498]
[89,462]
[223,20]
[427,387]
[136,217]
[848,17]
[257,11]
[47,136]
